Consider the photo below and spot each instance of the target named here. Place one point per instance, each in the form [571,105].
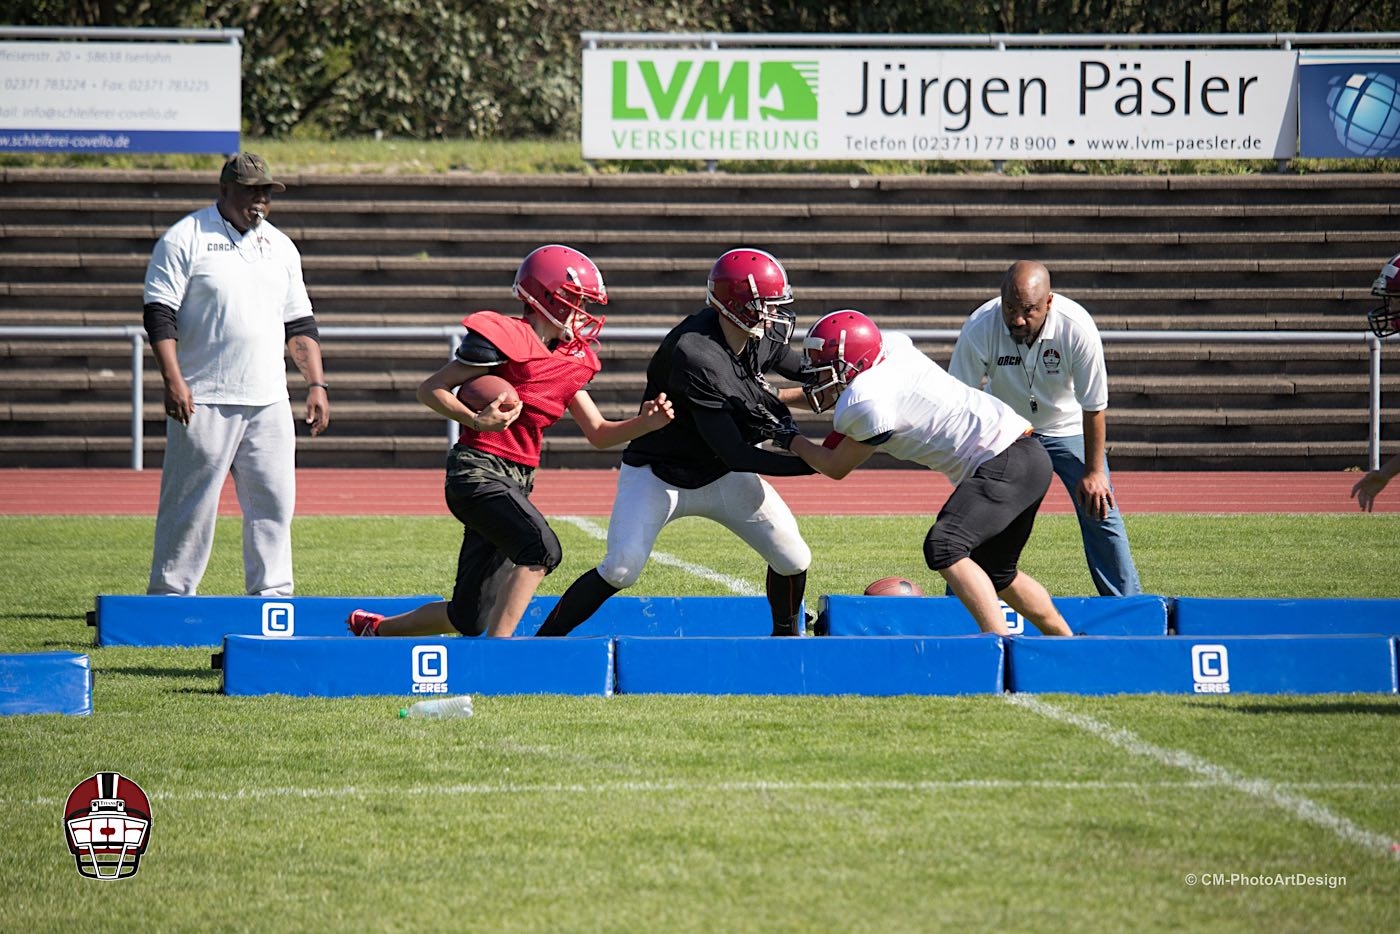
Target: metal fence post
[454,340]
[138,380]
[1373,343]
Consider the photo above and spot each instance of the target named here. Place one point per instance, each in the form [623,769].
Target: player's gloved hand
[781,431]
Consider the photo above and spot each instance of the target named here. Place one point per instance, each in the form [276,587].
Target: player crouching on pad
[545,355]
[891,397]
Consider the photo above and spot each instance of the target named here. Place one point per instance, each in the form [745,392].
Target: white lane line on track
[741,587]
[701,787]
[1278,795]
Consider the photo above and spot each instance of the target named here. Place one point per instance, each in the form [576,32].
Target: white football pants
[257,444]
[744,503]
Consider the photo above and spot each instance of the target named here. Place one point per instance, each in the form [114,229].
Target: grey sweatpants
[257,444]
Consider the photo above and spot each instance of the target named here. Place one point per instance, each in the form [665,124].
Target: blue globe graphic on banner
[1365,112]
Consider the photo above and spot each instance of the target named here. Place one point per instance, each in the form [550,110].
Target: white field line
[697,787]
[741,587]
[1270,792]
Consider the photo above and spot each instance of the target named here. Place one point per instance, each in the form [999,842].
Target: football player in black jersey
[707,461]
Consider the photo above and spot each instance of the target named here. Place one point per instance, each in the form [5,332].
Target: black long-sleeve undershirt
[719,431]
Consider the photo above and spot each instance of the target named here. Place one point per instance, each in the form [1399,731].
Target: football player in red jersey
[507,546]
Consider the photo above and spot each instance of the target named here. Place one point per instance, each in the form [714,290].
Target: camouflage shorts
[470,467]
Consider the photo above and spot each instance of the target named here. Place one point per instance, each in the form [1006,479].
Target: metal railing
[451,335]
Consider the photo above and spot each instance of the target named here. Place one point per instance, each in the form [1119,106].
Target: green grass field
[707,813]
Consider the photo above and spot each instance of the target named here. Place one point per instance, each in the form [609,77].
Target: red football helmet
[556,281]
[838,348]
[749,287]
[107,820]
[1384,320]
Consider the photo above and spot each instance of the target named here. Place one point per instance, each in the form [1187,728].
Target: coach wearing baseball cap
[249,170]
[224,303]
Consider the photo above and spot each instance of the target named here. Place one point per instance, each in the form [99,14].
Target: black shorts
[990,515]
[501,530]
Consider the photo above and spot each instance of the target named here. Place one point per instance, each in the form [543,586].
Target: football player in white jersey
[893,398]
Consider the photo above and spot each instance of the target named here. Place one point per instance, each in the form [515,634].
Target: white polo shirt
[937,421]
[232,294]
[1063,369]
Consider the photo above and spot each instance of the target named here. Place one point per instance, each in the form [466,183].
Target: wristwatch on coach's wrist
[324,386]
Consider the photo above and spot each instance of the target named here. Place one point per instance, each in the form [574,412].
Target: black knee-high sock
[785,598]
[579,602]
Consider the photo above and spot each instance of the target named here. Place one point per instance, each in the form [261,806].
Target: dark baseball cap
[249,170]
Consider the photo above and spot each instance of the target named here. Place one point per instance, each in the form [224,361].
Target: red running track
[590,492]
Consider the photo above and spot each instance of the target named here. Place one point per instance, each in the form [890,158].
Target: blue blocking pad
[846,615]
[418,668]
[663,616]
[1256,616]
[1187,665]
[869,666]
[46,682]
[204,621]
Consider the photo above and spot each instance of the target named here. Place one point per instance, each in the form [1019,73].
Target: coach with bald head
[1040,352]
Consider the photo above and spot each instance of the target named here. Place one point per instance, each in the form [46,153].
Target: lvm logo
[430,669]
[278,619]
[692,90]
[1210,669]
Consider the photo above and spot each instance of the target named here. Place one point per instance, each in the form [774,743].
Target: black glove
[780,431]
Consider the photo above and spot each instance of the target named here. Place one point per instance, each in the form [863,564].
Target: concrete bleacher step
[1235,276]
[1277,317]
[1173,216]
[652,314]
[986,187]
[422,305]
[1271,252]
[510,244]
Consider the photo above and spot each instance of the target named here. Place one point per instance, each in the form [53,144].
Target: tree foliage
[494,69]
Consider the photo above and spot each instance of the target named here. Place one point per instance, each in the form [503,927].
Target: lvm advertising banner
[119,97]
[928,104]
[1349,105]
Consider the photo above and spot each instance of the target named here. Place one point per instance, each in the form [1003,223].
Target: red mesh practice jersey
[545,381]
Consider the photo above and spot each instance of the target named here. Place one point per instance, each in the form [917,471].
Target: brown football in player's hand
[476,394]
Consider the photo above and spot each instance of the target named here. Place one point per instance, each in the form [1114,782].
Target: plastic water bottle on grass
[439,708]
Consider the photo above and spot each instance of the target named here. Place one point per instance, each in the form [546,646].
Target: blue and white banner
[120,97]
[1349,105]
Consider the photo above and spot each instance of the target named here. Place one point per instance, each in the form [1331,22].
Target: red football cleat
[363,623]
